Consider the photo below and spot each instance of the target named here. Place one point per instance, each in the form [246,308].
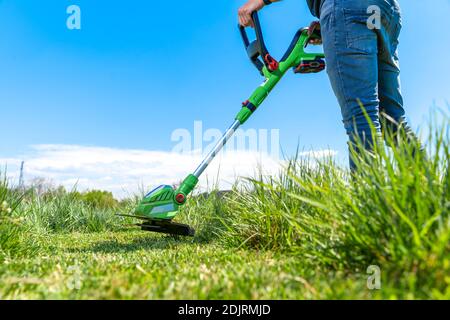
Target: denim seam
[338,62]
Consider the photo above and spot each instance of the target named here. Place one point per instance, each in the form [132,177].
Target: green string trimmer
[161,205]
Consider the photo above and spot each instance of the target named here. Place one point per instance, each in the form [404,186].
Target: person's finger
[315,25]
[246,19]
[241,19]
[250,19]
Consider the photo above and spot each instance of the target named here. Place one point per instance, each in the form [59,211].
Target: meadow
[314,231]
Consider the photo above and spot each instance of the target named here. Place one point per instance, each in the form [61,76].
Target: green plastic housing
[187,186]
[158,204]
[296,56]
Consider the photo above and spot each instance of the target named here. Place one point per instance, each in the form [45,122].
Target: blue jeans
[363,66]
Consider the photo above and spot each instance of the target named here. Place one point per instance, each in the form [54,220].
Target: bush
[100,199]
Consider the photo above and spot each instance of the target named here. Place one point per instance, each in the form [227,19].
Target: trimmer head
[157,210]
[162,226]
[164,201]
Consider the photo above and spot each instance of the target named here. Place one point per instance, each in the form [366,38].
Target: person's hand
[314,27]
[245,12]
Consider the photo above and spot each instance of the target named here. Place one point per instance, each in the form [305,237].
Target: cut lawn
[137,265]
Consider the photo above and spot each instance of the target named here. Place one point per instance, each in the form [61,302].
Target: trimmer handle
[257,49]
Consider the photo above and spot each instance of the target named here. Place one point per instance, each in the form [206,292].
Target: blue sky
[138,70]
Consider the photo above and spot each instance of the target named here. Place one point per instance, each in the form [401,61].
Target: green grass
[310,232]
[135,265]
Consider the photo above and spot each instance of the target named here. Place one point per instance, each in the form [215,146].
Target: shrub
[100,199]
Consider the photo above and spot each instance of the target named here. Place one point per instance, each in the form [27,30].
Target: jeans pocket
[359,36]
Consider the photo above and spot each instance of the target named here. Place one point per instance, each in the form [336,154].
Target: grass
[64,212]
[134,265]
[312,232]
[13,241]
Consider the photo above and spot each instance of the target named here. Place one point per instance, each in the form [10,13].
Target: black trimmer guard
[162,226]
[167,227]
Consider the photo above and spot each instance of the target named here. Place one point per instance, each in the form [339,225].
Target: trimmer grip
[244,36]
[256,50]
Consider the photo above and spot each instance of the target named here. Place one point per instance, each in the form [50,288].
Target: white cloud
[126,171]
